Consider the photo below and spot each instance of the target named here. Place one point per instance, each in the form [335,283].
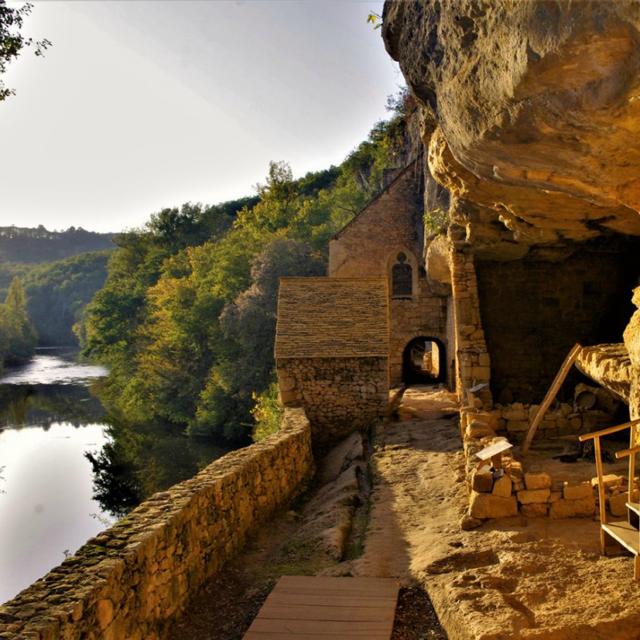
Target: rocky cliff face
[531,114]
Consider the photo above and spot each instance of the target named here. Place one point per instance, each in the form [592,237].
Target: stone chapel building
[376,322]
[386,240]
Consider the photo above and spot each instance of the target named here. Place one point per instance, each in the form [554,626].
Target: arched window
[401,278]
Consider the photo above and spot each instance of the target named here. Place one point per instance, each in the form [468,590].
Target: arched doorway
[424,361]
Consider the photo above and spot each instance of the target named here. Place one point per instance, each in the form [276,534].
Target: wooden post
[632,463]
[601,494]
[551,394]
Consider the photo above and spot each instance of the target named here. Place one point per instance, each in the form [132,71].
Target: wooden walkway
[323,608]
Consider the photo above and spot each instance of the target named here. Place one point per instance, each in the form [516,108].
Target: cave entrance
[424,361]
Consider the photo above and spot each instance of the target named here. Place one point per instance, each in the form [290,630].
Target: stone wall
[518,491]
[128,581]
[339,395]
[473,365]
[563,420]
[535,310]
[425,315]
[390,223]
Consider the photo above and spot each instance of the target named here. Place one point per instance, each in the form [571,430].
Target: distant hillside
[57,292]
[23,244]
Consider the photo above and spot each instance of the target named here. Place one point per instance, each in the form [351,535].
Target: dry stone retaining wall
[128,581]
[530,494]
[339,395]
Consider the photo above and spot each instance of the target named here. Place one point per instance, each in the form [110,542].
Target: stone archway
[424,361]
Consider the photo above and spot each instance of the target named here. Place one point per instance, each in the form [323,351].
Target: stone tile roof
[332,317]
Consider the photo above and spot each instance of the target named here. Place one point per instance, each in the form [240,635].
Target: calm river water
[66,470]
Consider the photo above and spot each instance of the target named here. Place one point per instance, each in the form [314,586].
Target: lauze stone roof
[332,318]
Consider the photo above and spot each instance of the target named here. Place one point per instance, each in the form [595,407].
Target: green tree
[12,41]
[18,335]
[186,319]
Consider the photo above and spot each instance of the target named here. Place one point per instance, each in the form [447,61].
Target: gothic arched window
[401,278]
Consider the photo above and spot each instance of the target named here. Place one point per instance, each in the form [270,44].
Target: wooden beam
[609,430]
[632,464]
[631,451]
[551,394]
[601,492]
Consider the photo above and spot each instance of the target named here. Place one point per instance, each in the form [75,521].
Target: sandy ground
[314,536]
[520,578]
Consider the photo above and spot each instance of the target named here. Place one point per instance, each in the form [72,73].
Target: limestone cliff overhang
[332,318]
[411,170]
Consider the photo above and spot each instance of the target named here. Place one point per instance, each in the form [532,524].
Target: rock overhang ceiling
[531,115]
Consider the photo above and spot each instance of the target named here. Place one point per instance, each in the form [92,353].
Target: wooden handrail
[601,493]
[605,432]
[627,452]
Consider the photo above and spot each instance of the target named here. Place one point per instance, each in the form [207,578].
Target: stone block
[515,470]
[573,508]
[515,412]
[529,496]
[482,481]
[104,613]
[478,429]
[555,496]
[618,504]
[535,510]
[537,480]
[610,481]
[486,505]
[577,491]
[517,426]
[502,486]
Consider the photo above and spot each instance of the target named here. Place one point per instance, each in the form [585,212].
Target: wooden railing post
[632,463]
[601,494]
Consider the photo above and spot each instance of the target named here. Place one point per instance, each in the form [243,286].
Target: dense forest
[33,245]
[17,336]
[187,315]
[57,292]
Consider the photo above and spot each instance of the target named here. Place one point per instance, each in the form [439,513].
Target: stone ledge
[129,580]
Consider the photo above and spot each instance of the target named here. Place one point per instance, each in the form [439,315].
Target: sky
[140,105]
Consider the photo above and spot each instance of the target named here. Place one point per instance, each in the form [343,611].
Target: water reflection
[53,366]
[27,405]
[67,470]
[137,462]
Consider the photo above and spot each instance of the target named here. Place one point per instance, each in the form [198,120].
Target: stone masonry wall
[339,395]
[128,581]
[424,315]
[392,222]
[517,491]
[473,365]
[534,311]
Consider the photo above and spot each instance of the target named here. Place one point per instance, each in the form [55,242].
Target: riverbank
[68,471]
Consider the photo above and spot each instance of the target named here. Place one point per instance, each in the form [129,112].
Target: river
[67,470]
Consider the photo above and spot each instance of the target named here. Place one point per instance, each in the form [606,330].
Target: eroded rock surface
[531,112]
[609,365]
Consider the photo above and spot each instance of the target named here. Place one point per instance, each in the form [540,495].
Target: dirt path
[322,529]
[535,578]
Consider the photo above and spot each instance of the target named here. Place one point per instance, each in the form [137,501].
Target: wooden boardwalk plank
[302,612]
[325,608]
[330,628]
[330,600]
